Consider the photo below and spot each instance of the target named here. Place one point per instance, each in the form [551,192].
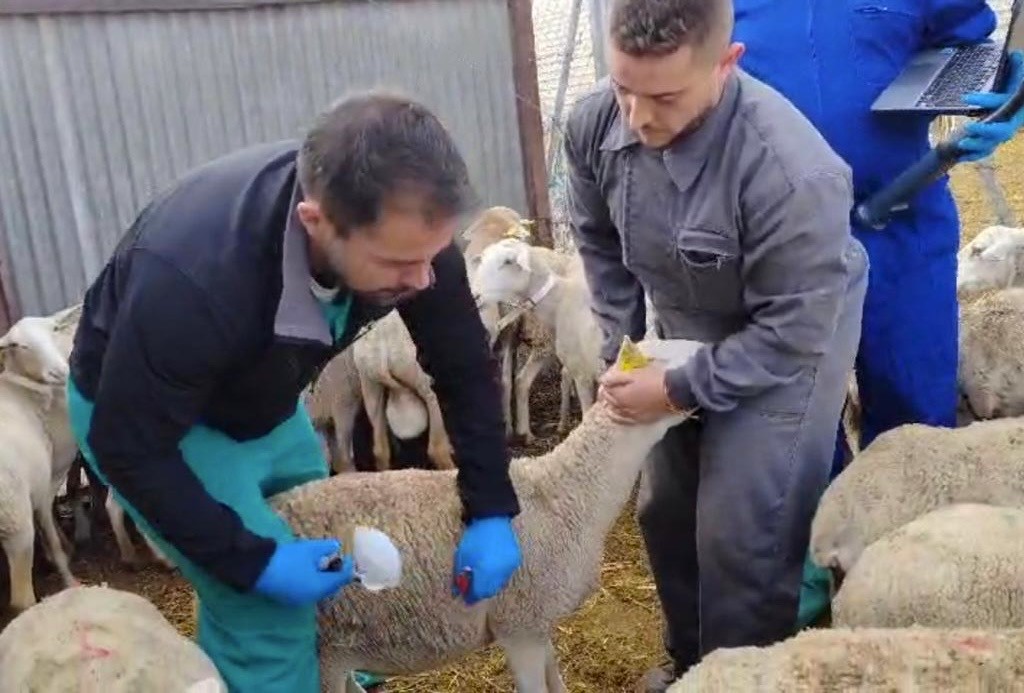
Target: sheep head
[990,260]
[30,349]
[505,271]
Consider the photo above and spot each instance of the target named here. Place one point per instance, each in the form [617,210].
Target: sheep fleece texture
[911,659]
[99,639]
[911,470]
[961,566]
[992,354]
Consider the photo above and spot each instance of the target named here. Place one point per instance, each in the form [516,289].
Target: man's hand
[636,396]
[485,559]
[983,138]
[294,576]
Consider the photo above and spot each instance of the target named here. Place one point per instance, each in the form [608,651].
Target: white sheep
[994,259]
[101,639]
[35,454]
[906,659]
[396,389]
[510,326]
[514,271]
[569,498]
[991,364]
[909,471]
[960,566]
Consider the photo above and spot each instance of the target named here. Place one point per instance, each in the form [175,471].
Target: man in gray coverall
[693,181]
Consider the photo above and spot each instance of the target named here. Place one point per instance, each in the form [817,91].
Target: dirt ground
[616,635]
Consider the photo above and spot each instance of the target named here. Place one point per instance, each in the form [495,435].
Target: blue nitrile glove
[983,138]
[293,575]
[489,553]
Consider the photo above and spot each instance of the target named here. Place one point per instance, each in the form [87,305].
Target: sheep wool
[569,499]
[961,566]
[909,471]
[908,659]
[991,369]
[100,639]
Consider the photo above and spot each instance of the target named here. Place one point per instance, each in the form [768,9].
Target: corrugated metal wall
[97,111]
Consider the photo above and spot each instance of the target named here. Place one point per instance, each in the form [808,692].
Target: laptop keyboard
[968,70]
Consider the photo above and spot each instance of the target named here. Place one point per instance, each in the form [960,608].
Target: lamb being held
[569,498]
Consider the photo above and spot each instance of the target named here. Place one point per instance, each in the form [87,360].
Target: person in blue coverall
[227,294]
[832,58]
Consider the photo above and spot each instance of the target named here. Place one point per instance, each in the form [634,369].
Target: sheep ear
[522,257]
[996,251]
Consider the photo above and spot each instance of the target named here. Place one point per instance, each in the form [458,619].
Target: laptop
[935,80]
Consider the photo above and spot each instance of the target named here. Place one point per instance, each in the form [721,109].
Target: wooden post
[531,125]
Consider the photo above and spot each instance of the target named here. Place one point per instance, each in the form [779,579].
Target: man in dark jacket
[217,308]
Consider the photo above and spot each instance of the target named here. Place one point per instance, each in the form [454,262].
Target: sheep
[991,368]
[955,567]
[906,659]
[994,259]
[98,638]
[909,471]
[569,499]
[505,327]
[395,388]
[333,403]
[35,453]
[512,270]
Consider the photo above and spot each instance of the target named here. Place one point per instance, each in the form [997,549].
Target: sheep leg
[44,516]
[563,407]
[157,553]
[373,397]
[527,657]
[124,544]
[344,426]
[83,530]
[535,363]
[585,391]
[507,358]
[19,549]
[552,672]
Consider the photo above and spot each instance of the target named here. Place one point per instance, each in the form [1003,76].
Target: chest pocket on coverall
[885,33]
[710,264]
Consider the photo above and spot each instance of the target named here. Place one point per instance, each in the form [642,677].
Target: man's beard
[388,298]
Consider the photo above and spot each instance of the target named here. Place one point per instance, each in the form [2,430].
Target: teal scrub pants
[257,644]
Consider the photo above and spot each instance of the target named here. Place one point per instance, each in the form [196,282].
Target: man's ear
[310,214]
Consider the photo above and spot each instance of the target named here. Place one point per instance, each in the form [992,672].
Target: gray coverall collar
[685,157]
[299,315]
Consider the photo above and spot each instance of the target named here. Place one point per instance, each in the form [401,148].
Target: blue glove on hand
[983,138]
[489,552]
[293,574]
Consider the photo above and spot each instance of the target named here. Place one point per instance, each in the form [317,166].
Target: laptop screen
[1014,41]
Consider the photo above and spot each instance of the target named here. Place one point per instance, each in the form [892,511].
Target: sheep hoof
[441,456]
[131,564]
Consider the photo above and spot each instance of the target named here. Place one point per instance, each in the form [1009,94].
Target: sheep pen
[614,636]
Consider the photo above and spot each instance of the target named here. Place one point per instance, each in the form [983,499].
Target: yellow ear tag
[517,231]
[630,357]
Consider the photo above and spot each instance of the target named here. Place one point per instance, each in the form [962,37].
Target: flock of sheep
[920,531]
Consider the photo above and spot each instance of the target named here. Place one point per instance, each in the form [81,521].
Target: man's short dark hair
[370,146]
[661,27]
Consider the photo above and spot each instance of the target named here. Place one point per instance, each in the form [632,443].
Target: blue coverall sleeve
[956,22]
[454,350]
[165,352]
[617,297]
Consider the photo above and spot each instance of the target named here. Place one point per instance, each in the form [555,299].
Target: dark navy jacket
[204,315]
